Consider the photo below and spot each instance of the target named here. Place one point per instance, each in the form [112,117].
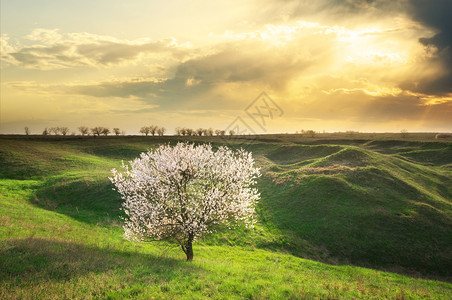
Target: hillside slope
[366,203]
[361,207]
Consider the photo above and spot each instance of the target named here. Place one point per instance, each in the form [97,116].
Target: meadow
[341,216]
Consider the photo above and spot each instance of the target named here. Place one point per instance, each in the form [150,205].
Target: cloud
[281,60]
[329,11]
[45,36]
[53,50]
[6,48]
[359,107]
[235,70]
[436,15]
[433,15]
[243,62]
[121,89]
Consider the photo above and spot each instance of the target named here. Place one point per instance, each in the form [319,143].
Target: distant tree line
[310,133]
[54,130]
[153,130]
[179,131]
[95,131]
[98,131]
[182,131]
[145,130]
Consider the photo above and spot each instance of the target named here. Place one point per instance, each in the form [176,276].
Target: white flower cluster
[180,192]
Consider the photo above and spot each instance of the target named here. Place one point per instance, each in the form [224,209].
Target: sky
[257,66]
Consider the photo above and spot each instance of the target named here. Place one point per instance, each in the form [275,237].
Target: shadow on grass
[87,199]
[367,218]
[115,151]
[34,260]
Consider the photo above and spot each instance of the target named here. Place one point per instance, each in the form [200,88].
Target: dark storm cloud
[436,14]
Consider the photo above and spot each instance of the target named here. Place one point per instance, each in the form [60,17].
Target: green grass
[364,208]
[340,217]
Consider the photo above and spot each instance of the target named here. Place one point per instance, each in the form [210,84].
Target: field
[340,216]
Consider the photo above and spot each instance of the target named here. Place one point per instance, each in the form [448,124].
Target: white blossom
[181,192]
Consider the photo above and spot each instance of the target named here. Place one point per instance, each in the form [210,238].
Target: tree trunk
[189,247]
[189,253]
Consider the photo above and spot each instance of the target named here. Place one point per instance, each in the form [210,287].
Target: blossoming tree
[179,193]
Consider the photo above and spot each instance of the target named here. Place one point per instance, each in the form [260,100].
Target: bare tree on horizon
[97,130]
[200,131]
[63,130]
[105,131]
[145,130]
[209,132]
[161,131]
[153,129]
[83,130]
[55,130]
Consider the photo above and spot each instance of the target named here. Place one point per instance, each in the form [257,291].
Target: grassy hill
[330,206]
